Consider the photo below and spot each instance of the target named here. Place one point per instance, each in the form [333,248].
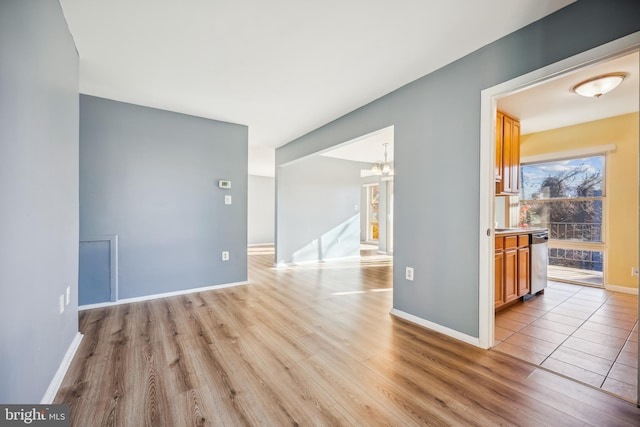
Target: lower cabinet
[498,283]
[510,274]
[512,269]
[524,271]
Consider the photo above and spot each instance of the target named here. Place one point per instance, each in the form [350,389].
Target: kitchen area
[521,252]
[565,296]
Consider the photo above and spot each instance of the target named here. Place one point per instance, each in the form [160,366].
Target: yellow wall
[621,237]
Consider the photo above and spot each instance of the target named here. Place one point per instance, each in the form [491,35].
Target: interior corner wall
[621,172]
[437,156]
[261,210]
[38,196]
[151,177]
[319,203]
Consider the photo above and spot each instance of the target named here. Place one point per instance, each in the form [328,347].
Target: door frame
[489,98]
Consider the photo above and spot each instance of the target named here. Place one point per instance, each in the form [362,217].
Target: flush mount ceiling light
[383,168]
[599,85]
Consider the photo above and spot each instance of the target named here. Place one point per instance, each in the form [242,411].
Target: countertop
[507,231]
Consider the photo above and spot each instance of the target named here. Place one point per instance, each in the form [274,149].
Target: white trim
[488,105]
[621,289]
[435,327]
[569,154]
[113,258]
[56,381]
[162,295]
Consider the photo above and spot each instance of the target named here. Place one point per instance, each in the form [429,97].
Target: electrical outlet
[225,255]
[61,303]
[634,271]
[68,295]
[409,273]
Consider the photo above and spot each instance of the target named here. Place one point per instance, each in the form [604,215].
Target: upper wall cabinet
[507,154]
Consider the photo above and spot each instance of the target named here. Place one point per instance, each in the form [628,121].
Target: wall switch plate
[61,303]
[68,295]
[227,200]
[634,271]
[409,273]
[225,255]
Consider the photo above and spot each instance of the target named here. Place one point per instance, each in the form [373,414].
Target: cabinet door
[498,282]
[515,157]
[510,275]
[507,158]
[499,148]
[523,271]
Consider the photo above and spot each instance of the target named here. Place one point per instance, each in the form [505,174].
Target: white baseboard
[436,327]
[621,289]
[162,295]
[52,390]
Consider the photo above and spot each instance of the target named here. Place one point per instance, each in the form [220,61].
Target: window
[372,212]
[567,197]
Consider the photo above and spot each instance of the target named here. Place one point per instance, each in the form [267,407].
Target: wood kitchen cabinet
[512,268]
[499,273]
[524,269]
[507,154]
[510,291]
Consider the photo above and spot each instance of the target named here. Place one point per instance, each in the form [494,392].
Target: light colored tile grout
[562,289]
[618,356]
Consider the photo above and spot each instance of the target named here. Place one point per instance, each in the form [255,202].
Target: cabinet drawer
[523,240]
[510,242]
[499,243]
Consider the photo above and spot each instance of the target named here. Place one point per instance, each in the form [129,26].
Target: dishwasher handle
[539,238]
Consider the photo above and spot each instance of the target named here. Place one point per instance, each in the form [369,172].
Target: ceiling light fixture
[599,85]
[383,168]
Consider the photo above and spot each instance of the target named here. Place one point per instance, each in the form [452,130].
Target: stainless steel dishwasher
[539,260]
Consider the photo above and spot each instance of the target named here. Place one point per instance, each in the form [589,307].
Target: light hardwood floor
[311,345]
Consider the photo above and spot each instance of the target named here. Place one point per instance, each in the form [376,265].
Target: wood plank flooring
[309,345]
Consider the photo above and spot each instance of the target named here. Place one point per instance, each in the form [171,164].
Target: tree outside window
[566,196]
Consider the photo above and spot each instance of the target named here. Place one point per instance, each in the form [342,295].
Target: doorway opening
[373,154]
[596,314]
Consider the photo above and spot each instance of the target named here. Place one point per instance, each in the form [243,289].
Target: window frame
[597,151]
[369,189]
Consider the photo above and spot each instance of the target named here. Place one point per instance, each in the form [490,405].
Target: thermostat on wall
[224,184]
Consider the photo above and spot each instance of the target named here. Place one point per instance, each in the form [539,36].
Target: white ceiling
[282,67]
[552,104]
[367,148]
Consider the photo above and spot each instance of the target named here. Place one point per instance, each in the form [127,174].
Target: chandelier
[383,168]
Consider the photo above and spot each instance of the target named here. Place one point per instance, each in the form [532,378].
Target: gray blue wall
[151,177]
[316,211]
[38,196]
[437,158]
[261,209]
